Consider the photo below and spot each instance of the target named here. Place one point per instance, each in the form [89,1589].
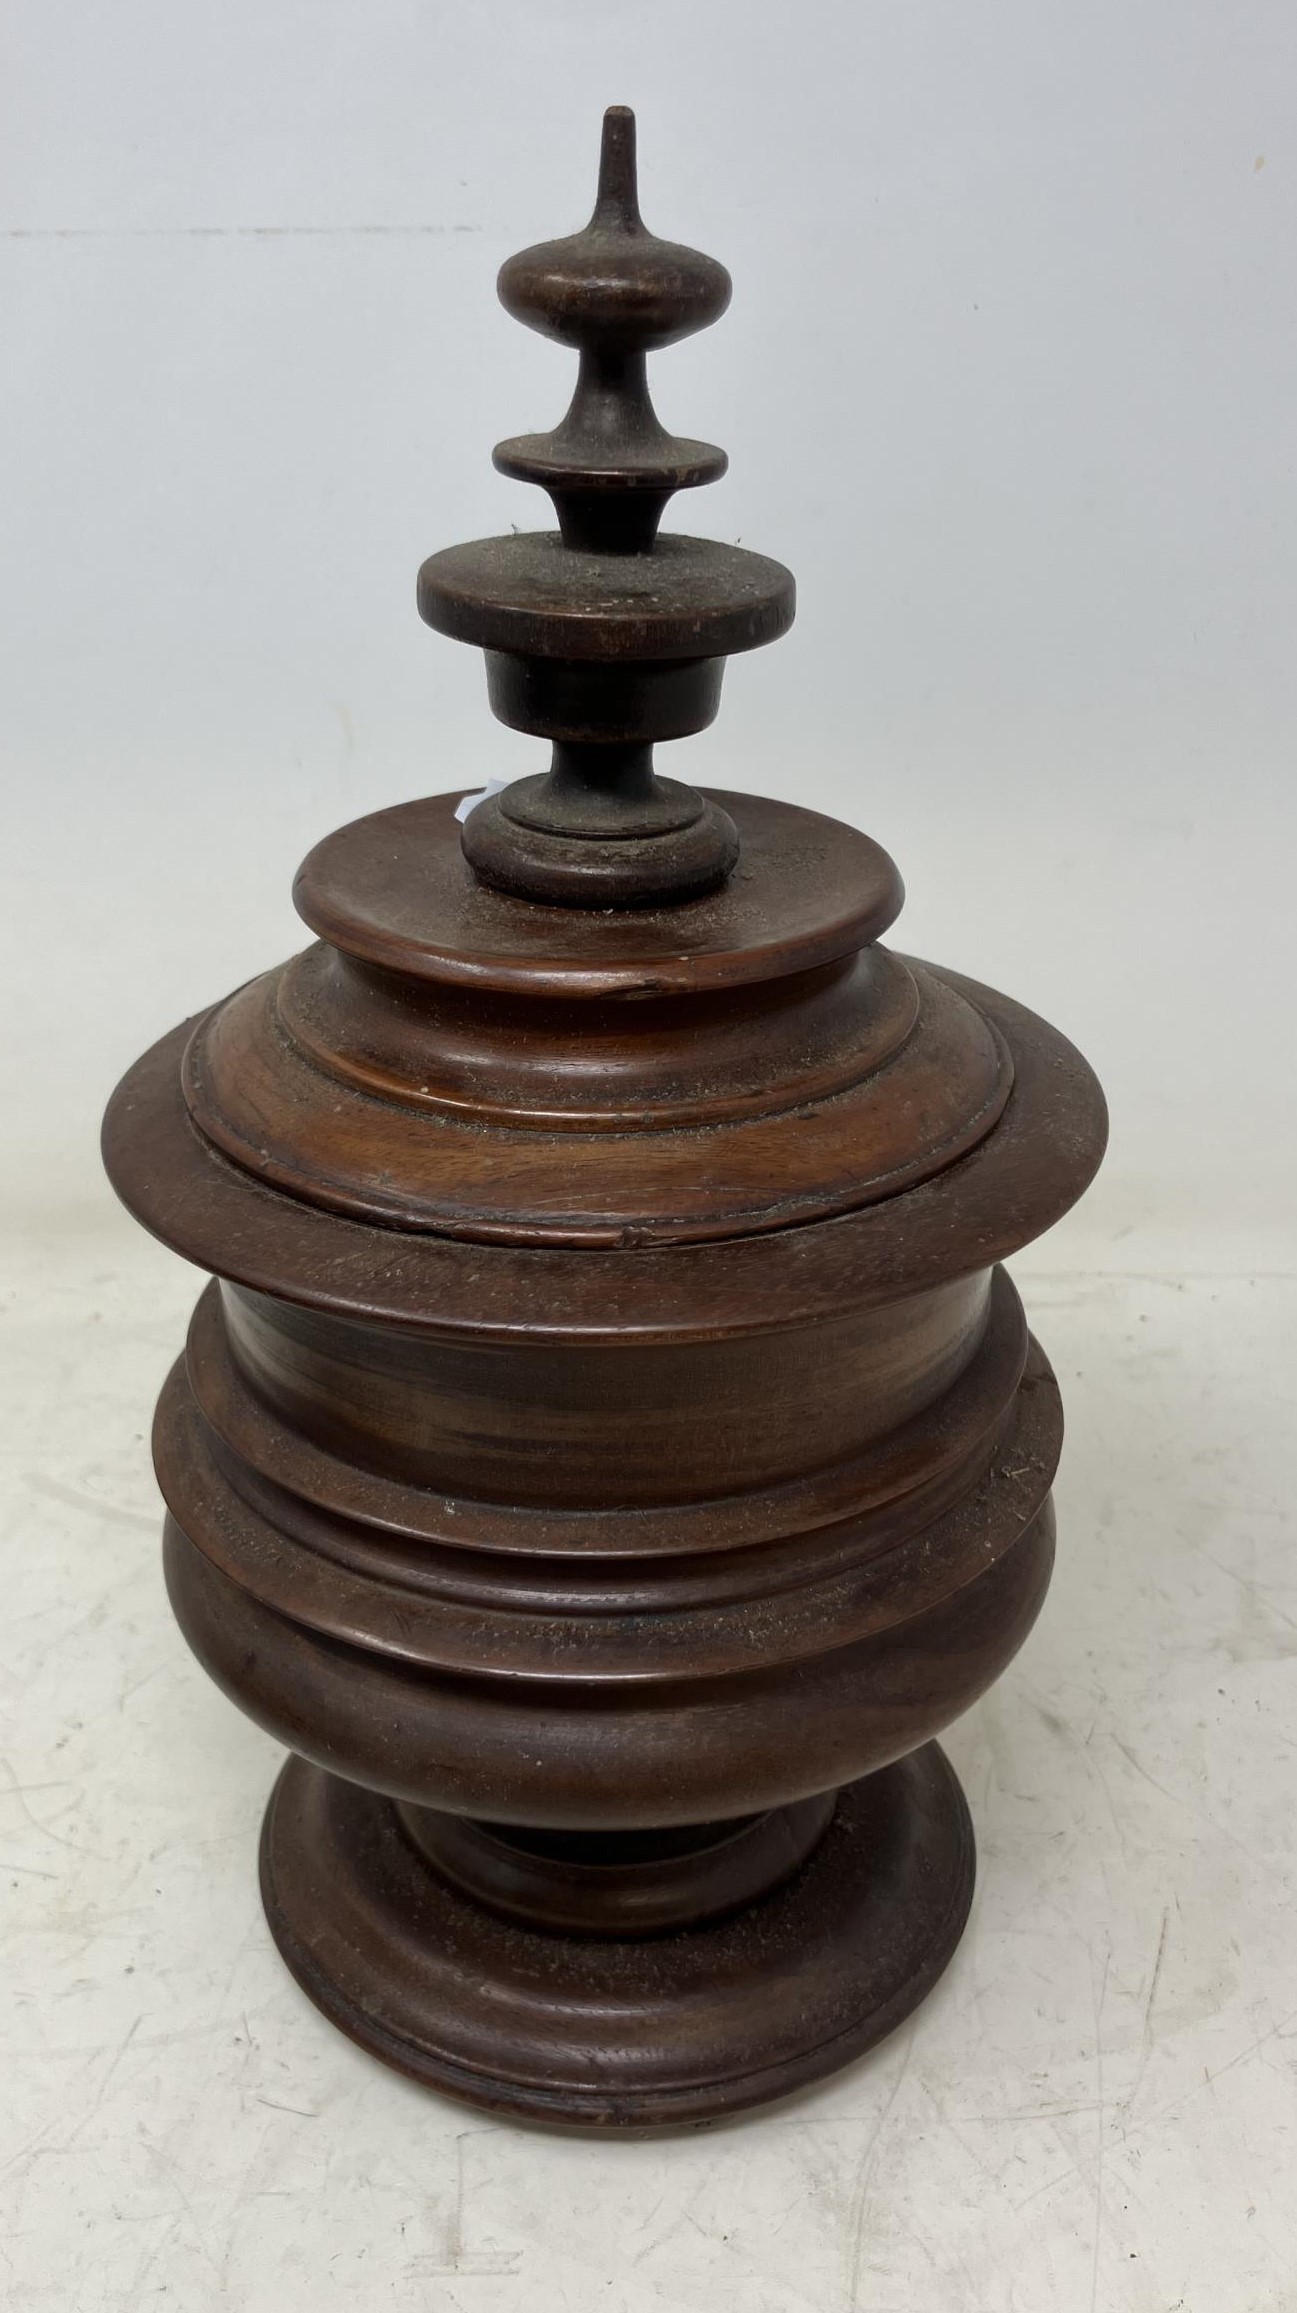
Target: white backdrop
[1009,379]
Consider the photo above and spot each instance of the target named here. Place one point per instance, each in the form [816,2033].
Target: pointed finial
[608,638]
[617,200]
[615,293]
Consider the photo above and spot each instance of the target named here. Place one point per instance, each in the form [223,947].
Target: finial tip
[617,200]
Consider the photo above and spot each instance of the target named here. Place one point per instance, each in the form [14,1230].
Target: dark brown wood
[610,1450]
[614,293]
[524,1117]
[621,2034]
[605,637]
[620,1883]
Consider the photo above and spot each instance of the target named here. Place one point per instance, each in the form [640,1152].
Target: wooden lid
[454,1059]
[1036,1162]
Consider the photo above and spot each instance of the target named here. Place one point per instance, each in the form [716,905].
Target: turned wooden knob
[610,1449]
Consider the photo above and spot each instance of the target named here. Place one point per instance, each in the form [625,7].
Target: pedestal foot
[606,2032]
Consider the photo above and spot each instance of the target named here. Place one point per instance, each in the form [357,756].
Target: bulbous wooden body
[610,1597]
[807,1591]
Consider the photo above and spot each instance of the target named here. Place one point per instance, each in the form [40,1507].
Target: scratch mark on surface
[19,1791]
[151,2256]
[102,2090]
[23,2151]
[1147,2034]
[1180,1799]
[460,2262]
[1099,2117]
[1155,2119]
[1157,1968]
[174,2178]
[33,2144]
[1141,1770]
[860,2199]
[73,1499]
[1251,1589]
[135,1685]
[1208,2080]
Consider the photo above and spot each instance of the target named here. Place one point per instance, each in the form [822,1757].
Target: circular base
[620,2034]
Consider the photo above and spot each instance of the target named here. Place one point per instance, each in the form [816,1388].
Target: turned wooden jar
[609,1451]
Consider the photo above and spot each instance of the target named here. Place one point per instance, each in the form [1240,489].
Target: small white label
[469,803]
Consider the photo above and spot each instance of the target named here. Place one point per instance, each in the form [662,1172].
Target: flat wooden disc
[395,889]
[528,593]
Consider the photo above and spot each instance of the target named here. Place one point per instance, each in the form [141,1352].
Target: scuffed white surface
[1096,2109]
